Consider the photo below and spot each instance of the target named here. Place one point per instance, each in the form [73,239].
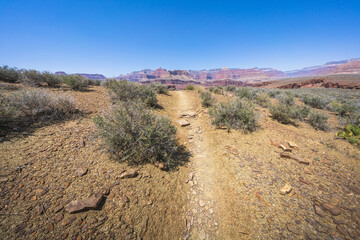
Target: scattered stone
[58,208]
[67,184]
[191,183]
[304,180]
[202,235]
[300,160]
[275,143]
[292,228]
[59,217]
[129,174]
[3,179]
[332,208]
[40,209]
[188,114]
[319,211]
[325,161]
[307,170]
[183,122]
[80,205]
[338,221]
[285,147]
[40,191]
[292,144]
[285,155]
[161,165]
[286,189]
[354,189]
[211,210]
[201,203]
[341,229]
[81,172]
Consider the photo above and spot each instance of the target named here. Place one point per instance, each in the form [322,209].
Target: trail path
[214,192]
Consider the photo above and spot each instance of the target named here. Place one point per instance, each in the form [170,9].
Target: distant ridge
[85,75]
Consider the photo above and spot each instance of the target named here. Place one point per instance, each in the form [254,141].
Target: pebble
[286,189]
[319,211]
[334,210]
[81,172]
[59,217]
[201,203]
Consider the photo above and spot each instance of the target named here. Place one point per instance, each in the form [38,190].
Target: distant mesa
[85,75]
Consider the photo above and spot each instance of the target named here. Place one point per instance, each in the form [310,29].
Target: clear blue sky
[113,37]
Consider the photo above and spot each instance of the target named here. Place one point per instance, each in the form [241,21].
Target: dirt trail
[214,190]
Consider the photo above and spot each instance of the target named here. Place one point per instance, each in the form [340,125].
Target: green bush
[159,88]
[216,90]
[135,135]
[318,120]
[129,91]
[238,114]
[274,93]
[281,113]
[76,82]
[245,92]
[34,104]
[351,133]
[189,87]
[108,81]
[32,78]
[230,88]
[51,79]
[286,98]
[94,82]
[262,99]
[315,101]
[207,99]
[10,75]
[300,112]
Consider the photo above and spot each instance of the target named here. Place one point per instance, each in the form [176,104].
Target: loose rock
[81,172]
[286,189]
[183,122]
[129,174]
[80,205]
[332,208]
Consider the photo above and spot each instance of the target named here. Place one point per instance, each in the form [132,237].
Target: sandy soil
[230,188]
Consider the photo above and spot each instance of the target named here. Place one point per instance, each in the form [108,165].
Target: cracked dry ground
[230,188]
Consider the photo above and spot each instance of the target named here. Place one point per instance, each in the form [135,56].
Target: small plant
[94,82]
[281,113]
[216,90]
[262,100]
[129,91]
[7,110]
[10,75]
[287,98]
[76,82]
[51,79]
[244,93]
[238,114]
[315,101]
[207,100]
[159,88]
[230,88]
[189,87]
[351,133]
[300,112]
[318,120]
[134,134]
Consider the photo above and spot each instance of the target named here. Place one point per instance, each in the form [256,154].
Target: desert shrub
[238,114]
[32,78]
[273,93]
[159,88]
[300,112]
[207,100]
[94,82]
[315,101]
[245,92]
[286,98]
[216,90]
[129,91]
[281,113]
[7,110]
[76,82]
[108,81]
[10,75]
[39,103]
[262,99]
[230,88]
[318,120]
[51,79]
[189,87]
[134,134]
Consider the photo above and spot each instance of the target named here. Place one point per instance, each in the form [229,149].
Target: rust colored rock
[81,205]
[59,217]
[285,155]
[341,229]
[81,172]
[129,174]
[58,208]
[301,179]
[319,211]
[161,165]
[183,122]
[332,208]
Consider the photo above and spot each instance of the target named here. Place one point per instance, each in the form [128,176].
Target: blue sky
[114,37]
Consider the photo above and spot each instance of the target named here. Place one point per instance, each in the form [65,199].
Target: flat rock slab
[183,122]
[82,205]
[334,210]
[81,172]
[129,174]
[188,114]
[292,144]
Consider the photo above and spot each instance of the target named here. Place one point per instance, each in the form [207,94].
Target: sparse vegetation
[238,114]
[189,87]
[134,134]
[318,120]
[76,82]
[351,133]
[207,100]
[124,91]
[286,114]
[262,100]
[159,88]
[51,79]
[315,101]
[94,82]
[10,75]
[35,104]
[216,90]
